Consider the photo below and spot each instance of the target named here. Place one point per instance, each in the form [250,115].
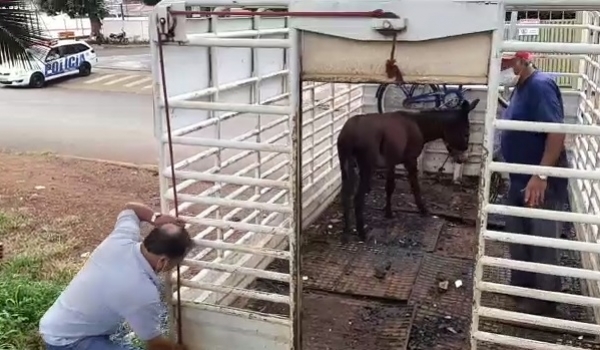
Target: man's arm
[550,110]
[146,324]
[142,211]
[128,221]
[162,343]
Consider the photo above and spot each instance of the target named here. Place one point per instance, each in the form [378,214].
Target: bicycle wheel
[391,97]
[452,99]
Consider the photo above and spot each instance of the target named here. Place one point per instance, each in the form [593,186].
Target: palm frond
[19,29]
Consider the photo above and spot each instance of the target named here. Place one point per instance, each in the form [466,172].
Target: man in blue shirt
[119,282]
[536,98]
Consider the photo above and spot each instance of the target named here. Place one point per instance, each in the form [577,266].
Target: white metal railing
[236,188]
[584,175]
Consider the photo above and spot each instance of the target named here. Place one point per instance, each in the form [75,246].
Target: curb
[109,46]
[146,167]
[123,68]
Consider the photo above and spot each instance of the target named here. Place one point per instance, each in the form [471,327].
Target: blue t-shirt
[538,99]
[116,284]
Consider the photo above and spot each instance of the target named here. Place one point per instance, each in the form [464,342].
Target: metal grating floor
[378,268]
[352,324]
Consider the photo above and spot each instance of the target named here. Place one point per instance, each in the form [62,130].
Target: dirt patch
[67,199]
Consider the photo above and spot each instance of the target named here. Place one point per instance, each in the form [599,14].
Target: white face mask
[508,78]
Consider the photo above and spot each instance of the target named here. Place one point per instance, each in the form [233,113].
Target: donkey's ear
[473,104]
[464,105]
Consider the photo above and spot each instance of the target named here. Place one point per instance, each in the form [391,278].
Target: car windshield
[38,52]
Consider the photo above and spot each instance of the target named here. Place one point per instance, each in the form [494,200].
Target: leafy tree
[95,10]
[19,29]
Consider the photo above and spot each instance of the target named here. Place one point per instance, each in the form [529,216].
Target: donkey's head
[457,131]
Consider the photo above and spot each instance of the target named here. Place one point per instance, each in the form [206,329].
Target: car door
[86,53]
[54,66]
[73,58]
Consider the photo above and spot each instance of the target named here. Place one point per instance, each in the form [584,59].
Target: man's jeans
[554,200]
[90,343]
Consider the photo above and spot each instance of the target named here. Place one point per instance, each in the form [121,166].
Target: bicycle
[420,96]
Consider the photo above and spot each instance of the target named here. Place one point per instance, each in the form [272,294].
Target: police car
[60,58]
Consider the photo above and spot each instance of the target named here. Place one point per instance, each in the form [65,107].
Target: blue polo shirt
[537,99]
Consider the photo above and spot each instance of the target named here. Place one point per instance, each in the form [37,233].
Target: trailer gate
[584,177]
[233,89]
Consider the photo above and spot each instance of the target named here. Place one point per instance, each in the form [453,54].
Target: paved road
[101,79]
[107,115]
[83,123]
[127,58]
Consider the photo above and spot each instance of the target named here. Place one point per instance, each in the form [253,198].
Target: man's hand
[168,219]
[163,343]
[534,191]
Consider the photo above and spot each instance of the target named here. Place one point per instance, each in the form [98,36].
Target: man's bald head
[168,240]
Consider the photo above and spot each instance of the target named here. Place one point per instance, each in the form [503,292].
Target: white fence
[135,27]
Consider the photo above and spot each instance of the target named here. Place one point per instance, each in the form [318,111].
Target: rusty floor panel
[354,324]
[437,269]
[457,241]
[369,269]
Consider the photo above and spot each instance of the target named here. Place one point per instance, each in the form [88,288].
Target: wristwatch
[543,177]
[154,217]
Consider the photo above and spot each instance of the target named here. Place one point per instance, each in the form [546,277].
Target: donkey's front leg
[390,186]
[413,179]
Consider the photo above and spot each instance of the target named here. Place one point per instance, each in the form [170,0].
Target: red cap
[524,55]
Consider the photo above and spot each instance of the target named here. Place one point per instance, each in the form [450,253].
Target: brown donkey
[371,141]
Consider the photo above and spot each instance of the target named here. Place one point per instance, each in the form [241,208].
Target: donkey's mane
[433,113]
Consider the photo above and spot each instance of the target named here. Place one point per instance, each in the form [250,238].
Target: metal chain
[172,162]
[391,68]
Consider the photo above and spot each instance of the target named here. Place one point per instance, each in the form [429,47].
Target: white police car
[59,59]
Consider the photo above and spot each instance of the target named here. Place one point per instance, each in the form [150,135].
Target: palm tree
[19,29]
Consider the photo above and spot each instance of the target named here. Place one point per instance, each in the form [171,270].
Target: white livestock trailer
[263,96]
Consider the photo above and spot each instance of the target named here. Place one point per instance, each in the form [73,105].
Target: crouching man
[120,282]
[536,98]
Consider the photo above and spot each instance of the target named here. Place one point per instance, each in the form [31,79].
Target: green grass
[23,300]
[27,289]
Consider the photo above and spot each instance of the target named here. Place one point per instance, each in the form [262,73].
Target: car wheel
[37,80]
[85,69]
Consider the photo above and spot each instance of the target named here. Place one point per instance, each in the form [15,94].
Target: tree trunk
[96,25]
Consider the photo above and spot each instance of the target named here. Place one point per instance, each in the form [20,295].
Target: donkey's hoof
[424,212]
[388,215]
[345,239]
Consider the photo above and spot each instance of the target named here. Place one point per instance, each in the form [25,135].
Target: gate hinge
[389,26]
[171,28]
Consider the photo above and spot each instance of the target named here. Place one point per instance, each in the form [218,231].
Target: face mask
[161,266]
[508,77]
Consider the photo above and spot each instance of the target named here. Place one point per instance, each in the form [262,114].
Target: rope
[391,68]
[172,160]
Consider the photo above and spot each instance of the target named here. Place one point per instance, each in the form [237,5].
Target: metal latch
[389,26]
[388,23]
